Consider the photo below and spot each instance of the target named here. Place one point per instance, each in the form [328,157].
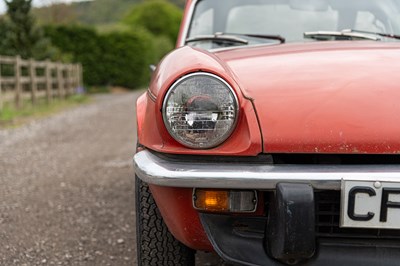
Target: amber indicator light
[219,200]
[211,200]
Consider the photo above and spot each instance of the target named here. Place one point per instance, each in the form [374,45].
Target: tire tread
[155,244]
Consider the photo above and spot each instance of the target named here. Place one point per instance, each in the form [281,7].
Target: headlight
[200,110]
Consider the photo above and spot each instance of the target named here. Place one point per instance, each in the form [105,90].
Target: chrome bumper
[165,172]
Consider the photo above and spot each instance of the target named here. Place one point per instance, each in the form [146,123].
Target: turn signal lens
[216,200]
[212,200]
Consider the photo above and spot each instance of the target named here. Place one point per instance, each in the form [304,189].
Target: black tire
[155,244]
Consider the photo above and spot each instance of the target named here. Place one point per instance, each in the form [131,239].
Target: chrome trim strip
[151,95]
[163,172]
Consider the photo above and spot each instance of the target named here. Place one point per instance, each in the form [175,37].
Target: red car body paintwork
[175,205]
[295,98]
[316,97]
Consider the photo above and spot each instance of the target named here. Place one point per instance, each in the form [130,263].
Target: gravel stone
[67,187]
[64,180]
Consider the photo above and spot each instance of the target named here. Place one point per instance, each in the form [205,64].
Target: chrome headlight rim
[171,90]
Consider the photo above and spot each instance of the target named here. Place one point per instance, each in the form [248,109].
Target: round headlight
[200,110]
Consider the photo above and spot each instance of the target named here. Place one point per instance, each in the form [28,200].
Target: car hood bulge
[336,97]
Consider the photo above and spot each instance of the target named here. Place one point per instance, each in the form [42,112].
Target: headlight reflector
[200,110]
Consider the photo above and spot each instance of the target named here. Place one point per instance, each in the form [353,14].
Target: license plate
[366,204]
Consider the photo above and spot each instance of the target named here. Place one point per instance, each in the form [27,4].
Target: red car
[271,136]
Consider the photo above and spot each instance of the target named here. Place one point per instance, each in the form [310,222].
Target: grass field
[12,117]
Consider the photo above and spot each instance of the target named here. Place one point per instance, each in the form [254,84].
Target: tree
[5,45]
[54,12]
[24,38]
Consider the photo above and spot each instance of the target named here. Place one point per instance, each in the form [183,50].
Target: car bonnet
[322,97]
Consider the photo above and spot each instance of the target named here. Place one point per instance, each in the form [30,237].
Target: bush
[157,16]
[117,59]
[127,57]
[162,46]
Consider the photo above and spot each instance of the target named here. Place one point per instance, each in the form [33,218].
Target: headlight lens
[200,110]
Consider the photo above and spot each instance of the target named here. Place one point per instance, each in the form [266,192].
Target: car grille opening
[327,210]
[327,219]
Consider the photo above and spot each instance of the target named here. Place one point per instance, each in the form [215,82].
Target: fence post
[72,78]
[60,81]
[78,85]
[67,84]
[32,73]
[18,87]
[68,77]
[1,90]
[80,76]
[49,82]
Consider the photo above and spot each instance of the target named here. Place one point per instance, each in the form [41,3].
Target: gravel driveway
[67,190]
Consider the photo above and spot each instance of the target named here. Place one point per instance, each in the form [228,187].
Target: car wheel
[155,244]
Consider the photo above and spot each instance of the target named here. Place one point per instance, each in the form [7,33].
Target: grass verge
[98,89]
[11,116]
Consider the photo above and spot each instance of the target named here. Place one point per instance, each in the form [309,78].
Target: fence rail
[28,79]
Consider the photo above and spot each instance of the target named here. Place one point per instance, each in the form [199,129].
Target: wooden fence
[28,79]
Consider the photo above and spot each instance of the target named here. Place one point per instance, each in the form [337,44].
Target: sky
[36,3]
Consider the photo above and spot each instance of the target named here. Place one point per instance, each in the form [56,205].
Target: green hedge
[121,58]
[157,16]
[117,59]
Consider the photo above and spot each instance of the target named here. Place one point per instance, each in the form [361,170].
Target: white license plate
[366,204]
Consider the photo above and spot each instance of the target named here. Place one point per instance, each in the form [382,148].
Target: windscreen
[291,18]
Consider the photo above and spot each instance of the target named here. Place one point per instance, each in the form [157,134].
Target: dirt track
[67,190]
